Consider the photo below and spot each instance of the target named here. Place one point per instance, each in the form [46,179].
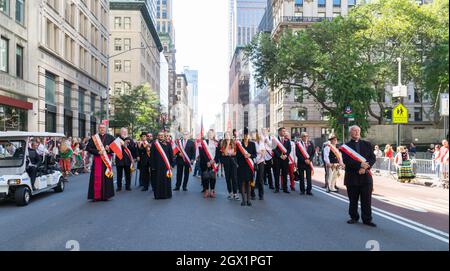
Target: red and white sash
[354,155]
[336,152]
[305,155]
[105,158]
[175,148]
[205,149]
[282,148]
[165,159]
[184,154]
[244,153]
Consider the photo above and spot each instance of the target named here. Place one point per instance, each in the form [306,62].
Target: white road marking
[432,232]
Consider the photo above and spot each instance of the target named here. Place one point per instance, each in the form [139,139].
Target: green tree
[139,110]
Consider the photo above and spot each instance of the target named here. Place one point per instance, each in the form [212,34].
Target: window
[50,88]
[298,95]
[117,65]
[118,44]
[4,6]
[126,44]
[20,11]
[126,87]
[67,92]
[127,22]
[418,114]
[321,3]
[19,61]
[127,66]
[92,103]
[351,3]
[299,114]
[81,101]
[321,14]
[4,51]
[299,2]
[117,22]
[117,88]
[336,14]
[337,3]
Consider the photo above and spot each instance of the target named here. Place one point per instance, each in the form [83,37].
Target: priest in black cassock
[161,154]
[101,187]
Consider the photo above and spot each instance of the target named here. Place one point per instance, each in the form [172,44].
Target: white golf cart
[15,181]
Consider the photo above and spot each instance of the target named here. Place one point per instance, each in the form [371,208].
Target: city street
[135,221]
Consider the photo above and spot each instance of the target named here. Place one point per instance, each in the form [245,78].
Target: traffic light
[388,114]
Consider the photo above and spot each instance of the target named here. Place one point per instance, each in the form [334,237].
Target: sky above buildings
[201,40]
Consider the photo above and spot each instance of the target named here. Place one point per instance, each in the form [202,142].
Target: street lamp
[400,95]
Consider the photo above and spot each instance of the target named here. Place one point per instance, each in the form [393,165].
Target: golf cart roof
[29,134]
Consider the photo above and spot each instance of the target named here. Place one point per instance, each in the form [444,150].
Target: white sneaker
[230,196]
[236,197]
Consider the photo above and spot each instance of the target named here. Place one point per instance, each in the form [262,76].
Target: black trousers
[302,179]
[208,183]
[327,172]
[363,193]
[283,166]
[259,182]
[120,170]
[268,173]
[230,174]
[144,177]
[32,172]
[182,168]
[153,178]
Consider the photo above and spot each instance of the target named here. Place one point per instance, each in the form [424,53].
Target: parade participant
[444,159]
[333,162]
[101,185]
[184,159]
[281,151]
[228,157]
[292,163]
[268,157]
[209,160]
[65,154]
[246,152]
[161,154]
[34,160]
[144,163]
[358,158]
[125,161]
[149,137]
[305,154]
[326,169]
[403,163]
[259,166]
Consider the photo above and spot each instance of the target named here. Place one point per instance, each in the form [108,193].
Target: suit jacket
[301,164]
[190,151]
[352,177]
[277,151]
[204,158]
[126,161]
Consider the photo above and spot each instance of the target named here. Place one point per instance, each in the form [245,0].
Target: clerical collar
[356,141]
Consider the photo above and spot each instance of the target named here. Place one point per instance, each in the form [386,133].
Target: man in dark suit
[281,160]
[358,179]
[183,167]
[304,164]
[127,162]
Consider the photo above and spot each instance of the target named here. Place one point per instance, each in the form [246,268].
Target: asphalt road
[135,221]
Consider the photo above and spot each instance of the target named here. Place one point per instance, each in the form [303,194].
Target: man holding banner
[305,153]
[161,154]
[185,159]
[125,151]
[358,158]
[101,185]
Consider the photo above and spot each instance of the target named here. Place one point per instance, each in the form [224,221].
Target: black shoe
[128,189]
[286,191]
[371,224]
[249,203]
[176,189]
[352,221]
[302,192]
[243,203]
[184,189]
[144,189]
[119,189]
[309,193]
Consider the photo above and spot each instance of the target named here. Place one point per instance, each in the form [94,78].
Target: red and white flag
[116,147]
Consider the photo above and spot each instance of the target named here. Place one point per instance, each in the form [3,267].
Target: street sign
[400,114]
[399,91]
[444,104]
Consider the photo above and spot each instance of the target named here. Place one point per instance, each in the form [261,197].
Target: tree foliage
[350,60]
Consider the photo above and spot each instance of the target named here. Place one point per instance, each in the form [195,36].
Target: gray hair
[351,128]
[304,134]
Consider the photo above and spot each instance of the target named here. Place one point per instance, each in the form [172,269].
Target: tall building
[181,112]
[244,19]
[192,79]
[68,63]
[19,99]
[166,31]
[134,48]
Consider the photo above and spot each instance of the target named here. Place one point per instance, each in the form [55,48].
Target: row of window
[93,6]
[5,7]
[119,68]
[4,57]
[323,3]
[122,23]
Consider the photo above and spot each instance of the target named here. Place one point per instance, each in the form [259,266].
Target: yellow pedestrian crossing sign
[400,114]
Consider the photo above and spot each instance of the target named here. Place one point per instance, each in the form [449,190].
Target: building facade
[192,79]
[135,49]
[181,112]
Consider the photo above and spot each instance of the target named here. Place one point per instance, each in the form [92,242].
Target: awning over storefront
[15,103]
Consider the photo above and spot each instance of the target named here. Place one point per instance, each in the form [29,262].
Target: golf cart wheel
[22,196]
[60,187]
